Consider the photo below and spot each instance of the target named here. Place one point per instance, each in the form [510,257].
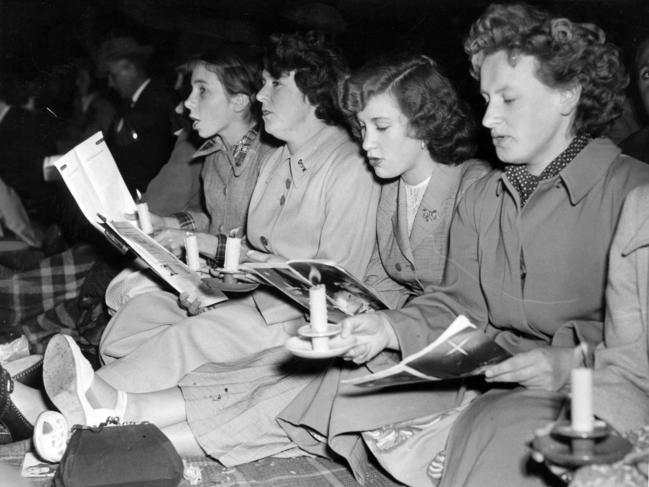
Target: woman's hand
[543,368]
[372,333]
[172,239]
[257,256]
[190,304]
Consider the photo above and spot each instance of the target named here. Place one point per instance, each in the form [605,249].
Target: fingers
[257,256]
[358,354]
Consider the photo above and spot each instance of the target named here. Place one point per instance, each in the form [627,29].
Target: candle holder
[566,447]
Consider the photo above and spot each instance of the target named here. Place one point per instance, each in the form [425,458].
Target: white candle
[318,316]
[232,254]
[144,218]
[191,252]
[581,400]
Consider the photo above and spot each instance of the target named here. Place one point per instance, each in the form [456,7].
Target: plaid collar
[525,183]
[238,151]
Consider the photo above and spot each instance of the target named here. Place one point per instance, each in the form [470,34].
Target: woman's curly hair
[434,111]
[318,67]
[566,52]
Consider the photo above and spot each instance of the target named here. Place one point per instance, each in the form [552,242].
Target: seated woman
[224,112]
[316,198]
[418,136]
[527,256]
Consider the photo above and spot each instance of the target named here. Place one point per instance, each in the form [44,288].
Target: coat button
[288,183]
[264,241]
[282,200]
[397,266]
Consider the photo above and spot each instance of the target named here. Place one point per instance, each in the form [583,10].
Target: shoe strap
[6,388]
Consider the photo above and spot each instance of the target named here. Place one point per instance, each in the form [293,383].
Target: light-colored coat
[621,379]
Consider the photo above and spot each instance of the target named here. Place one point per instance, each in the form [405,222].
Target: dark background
[39,39]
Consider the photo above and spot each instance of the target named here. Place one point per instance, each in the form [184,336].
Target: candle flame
[314,275]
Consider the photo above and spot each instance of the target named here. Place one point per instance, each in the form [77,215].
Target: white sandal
[51,434]
[67,376]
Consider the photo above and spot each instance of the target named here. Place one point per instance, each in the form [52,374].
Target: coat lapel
[443,187]
[400,225]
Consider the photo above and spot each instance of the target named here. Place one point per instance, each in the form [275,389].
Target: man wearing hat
[140,137]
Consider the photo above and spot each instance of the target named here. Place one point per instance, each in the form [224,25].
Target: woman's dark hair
[426,97]
[318,67]
[567,53]
[238,71]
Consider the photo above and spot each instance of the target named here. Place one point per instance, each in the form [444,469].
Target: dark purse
[111,455]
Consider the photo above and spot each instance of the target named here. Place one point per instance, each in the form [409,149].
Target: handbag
[112,454]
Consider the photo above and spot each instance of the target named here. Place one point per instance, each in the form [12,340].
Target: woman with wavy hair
[419,138]
[528,246]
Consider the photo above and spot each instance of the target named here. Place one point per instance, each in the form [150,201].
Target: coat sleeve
[349,230]
[424,318]
[621,378]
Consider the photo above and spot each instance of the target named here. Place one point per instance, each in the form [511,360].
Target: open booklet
[346,295]
[90,173]
[462,350]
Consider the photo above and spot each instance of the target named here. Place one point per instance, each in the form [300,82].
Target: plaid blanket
[33,302]
[269,472]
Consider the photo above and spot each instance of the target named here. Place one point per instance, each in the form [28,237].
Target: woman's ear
[570,98]
[240,102]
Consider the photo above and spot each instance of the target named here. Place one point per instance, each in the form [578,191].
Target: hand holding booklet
[90,173]
[462,350]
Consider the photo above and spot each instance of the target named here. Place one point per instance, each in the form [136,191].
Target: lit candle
[232,254]
[581,400]
[144,218]
[191,252]
[318,316]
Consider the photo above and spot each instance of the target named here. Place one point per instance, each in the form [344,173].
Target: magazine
[462,350]
[90,173]
[346,295]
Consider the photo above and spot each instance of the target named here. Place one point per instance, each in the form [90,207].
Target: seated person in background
[418,136]
[23,147]
[223,110]
[637,144]
[528,249]
[15,219]
[92,110]
[140,137]
[316,187]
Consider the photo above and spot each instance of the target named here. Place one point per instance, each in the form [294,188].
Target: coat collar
[583,172]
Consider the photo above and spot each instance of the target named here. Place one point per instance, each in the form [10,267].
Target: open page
[461,350]
[90,173]
[346,295]
[165,264]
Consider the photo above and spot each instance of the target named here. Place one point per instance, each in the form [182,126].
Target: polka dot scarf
[525,183]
